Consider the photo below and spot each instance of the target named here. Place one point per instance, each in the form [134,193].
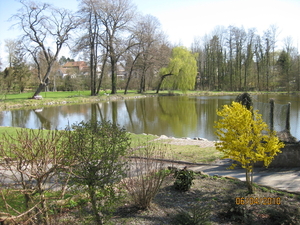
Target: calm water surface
[169,115]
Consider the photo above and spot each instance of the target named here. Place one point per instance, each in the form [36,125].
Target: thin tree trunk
[127,83]
[92,70]
[130,73]
[249,182]
[92,194]
[113,77]
[161,80]
[102,73]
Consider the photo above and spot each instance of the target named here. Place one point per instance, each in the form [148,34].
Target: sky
[184,20]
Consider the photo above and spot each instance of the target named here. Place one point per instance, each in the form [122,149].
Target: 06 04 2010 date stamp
[257,201]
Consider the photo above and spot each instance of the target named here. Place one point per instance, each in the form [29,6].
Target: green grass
[23,100]
[188,153]
[59,94]
[194,154]
[55,95]
[140,139]
[271,190]
[9,130]
[16,200]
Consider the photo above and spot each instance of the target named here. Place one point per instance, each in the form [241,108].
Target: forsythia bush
[245,137]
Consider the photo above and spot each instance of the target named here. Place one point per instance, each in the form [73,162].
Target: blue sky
[184,20]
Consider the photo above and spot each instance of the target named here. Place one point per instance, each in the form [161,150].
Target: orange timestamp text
[257,201]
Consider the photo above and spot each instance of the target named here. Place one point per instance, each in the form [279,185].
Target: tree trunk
[142,83]
[113,77]
[161,80]
[258,71]
[127,83]
[93,199]
[102,73]
[130,73]
[39,89]
[45,80]
[92,70]
[249,182]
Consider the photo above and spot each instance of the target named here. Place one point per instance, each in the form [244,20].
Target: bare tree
[248,56]
[44,26]
[11,46]
[131,59]
[273,39]
[144,53]
[259,59]
[115,15]
[90,40]
[152,40]
[239,41]
[230,44]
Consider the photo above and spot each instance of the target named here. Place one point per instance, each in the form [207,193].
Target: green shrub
[184,179]
[99,150]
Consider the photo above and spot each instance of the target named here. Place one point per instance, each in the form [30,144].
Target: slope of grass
[195,154]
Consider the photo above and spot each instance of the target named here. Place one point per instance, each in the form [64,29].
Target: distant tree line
[233,59]
[111,33]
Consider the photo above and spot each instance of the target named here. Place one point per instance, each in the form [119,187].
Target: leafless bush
[31,163]
[147,173]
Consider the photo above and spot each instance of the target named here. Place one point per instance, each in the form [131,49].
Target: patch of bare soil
[213,201]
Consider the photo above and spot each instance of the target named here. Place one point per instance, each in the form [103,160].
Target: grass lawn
[195,154]
[23,100]
[9,130]
[188,153]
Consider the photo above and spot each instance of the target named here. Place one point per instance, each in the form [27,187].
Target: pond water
[176,116]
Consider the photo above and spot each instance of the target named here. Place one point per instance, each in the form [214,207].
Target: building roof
[78,64]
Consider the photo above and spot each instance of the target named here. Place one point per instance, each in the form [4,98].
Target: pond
[176,116]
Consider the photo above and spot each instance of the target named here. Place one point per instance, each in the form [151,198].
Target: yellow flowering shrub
[245,137]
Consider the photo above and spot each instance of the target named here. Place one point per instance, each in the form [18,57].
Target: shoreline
[34,103]
[28,103]
[202,142]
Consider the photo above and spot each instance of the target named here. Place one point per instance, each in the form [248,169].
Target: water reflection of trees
[19,118]
[2,117]
[178,114]
[141,115]
[46,123]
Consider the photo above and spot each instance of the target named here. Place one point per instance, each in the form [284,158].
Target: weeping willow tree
[181,71]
